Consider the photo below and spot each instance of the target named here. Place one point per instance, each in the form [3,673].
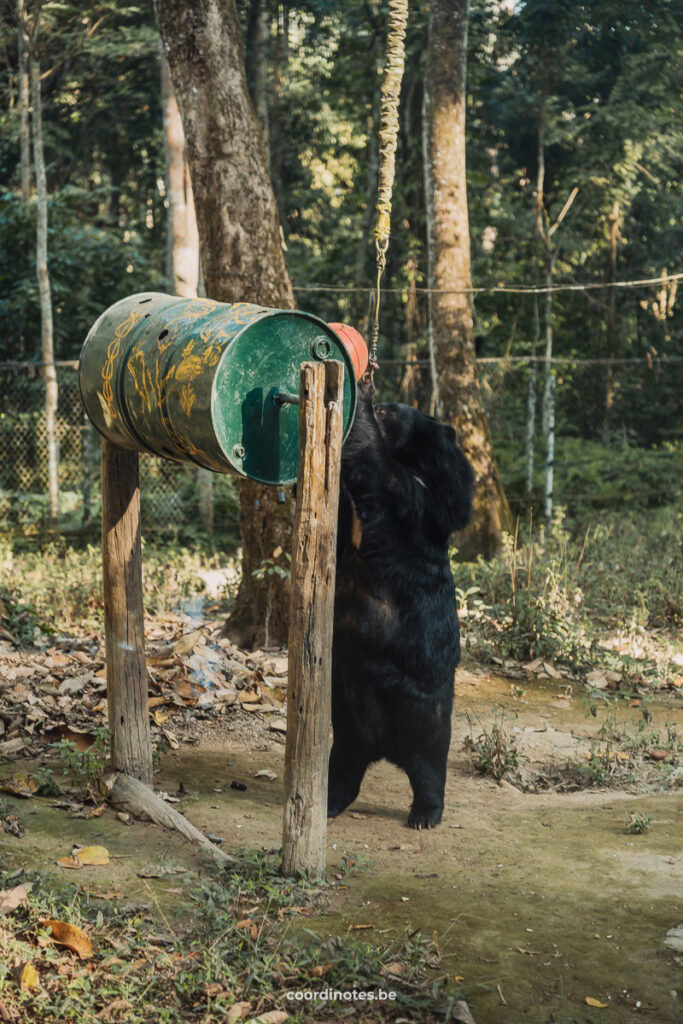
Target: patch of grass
[526,604]
[229,943]
[637,823]
[558,593]
[85,766]
[493,751]
[61,586]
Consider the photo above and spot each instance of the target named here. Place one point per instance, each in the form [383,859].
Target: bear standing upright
[406,486]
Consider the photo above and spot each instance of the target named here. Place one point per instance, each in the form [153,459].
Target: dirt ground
[538,900]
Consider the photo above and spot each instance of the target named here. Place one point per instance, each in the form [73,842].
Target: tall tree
[241,253]
[456,391]
[43,275]
[24,129]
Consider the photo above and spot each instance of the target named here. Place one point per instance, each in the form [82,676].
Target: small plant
[87,765]
[494,751]
[637,823]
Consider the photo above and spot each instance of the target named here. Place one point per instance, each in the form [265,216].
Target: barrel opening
[143,301]
[163,334]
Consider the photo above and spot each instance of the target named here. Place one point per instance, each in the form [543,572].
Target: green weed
[637,823]
[228,943]
[86,766]
[493,751]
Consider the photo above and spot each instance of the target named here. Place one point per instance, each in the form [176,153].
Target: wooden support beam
[311,614]
[131,743]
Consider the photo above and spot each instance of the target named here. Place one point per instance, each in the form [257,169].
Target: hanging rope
[388,138]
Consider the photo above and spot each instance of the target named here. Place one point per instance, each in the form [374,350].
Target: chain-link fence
[617,424]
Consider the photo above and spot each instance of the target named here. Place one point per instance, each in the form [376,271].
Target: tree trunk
[182,220]
[611,325]
[24,132]
[280,68]
[456,391]
[240,247]
[46,332]
[260,66]
[183,240]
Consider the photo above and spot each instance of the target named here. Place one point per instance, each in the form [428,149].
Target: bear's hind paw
[421,818]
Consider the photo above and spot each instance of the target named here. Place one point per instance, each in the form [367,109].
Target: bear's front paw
[424,817]
[366,388]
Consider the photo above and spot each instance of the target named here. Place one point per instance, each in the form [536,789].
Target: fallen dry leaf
[69,862]
[116,1006]
[95,812]
[26,977]
[266,773]
[359,927]
[20,784]
[70,936]
[461,1013]
[238,1011]
[10,899]
[317,972]
[395,968]
[271,1017]
[589,1001]
[92,855]
[186,644]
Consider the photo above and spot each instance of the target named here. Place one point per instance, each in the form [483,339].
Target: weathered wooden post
[131,744]
[311,617]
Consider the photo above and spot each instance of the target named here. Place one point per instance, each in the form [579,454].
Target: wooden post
[131,744]
[311,618]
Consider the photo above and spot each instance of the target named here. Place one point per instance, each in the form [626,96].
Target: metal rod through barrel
[286,398]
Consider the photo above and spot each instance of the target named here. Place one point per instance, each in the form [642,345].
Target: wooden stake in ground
[131,743]
[310,619]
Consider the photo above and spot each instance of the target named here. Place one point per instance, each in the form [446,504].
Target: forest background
[585,94]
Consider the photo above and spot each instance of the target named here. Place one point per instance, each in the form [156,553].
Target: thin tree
[241,254]
[43,275]
[456,391]
[24,102]
[183,238]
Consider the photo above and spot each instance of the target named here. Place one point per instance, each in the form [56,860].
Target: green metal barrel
[198,381]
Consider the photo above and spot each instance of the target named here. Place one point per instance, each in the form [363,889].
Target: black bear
[406,486]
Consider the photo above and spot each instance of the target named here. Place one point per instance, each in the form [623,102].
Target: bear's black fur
[406,486]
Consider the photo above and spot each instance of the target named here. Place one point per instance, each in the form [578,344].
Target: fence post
[311,618]
[550,446]
[131,743]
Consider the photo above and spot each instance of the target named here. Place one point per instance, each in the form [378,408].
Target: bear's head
[430,450]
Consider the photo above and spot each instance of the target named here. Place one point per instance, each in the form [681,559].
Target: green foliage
[593,475]
[18,620]
[637,823]
[209,959]
[493,751]
[88,765]
[553,595]
[528,601]
[67,579]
